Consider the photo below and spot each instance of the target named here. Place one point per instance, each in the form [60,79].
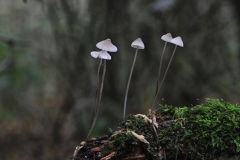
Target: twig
[154,129]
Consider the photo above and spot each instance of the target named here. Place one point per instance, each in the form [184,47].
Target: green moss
[124,143]
[205,131]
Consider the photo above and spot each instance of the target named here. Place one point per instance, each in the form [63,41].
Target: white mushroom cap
[167,37]
[101,54]
[178,41]
[107,45]
[138,43]
[95,54]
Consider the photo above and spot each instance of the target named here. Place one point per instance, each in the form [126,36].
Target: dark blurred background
[48,78]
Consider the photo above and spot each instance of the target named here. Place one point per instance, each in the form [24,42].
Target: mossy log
[207,131]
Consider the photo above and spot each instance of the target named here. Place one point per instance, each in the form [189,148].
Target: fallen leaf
[140,137]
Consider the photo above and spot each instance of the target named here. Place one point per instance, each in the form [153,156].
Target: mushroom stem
[97,91]
[98,99]
[103,76]
[129,79]
[160,66]
[164,76]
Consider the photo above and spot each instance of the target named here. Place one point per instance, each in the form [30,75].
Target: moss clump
[206,131]
[209,130]
[125,144]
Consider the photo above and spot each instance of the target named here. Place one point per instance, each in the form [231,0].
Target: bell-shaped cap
[101,54]
[107,45]
[95,54]
[138,43]
[177,41]
[167,37]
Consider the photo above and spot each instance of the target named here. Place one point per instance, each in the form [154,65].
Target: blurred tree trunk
[68,49]
[73,38]
[236,6]
[116,29]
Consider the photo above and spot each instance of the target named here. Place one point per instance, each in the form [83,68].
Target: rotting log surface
[206,131]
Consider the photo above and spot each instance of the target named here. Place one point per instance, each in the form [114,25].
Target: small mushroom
[101,54]
[138,44]
[105,45]
[178,42]
[167,38]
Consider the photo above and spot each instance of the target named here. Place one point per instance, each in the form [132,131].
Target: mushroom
[167,38]
[138,44]
[101,54]
[178,42]
[105,45]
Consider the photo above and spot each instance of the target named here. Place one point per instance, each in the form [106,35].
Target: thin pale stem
[98,101]
[103,76]
[160,67]
[156,94]
[129,80]
[164,76]
[97,91]
[96,94]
